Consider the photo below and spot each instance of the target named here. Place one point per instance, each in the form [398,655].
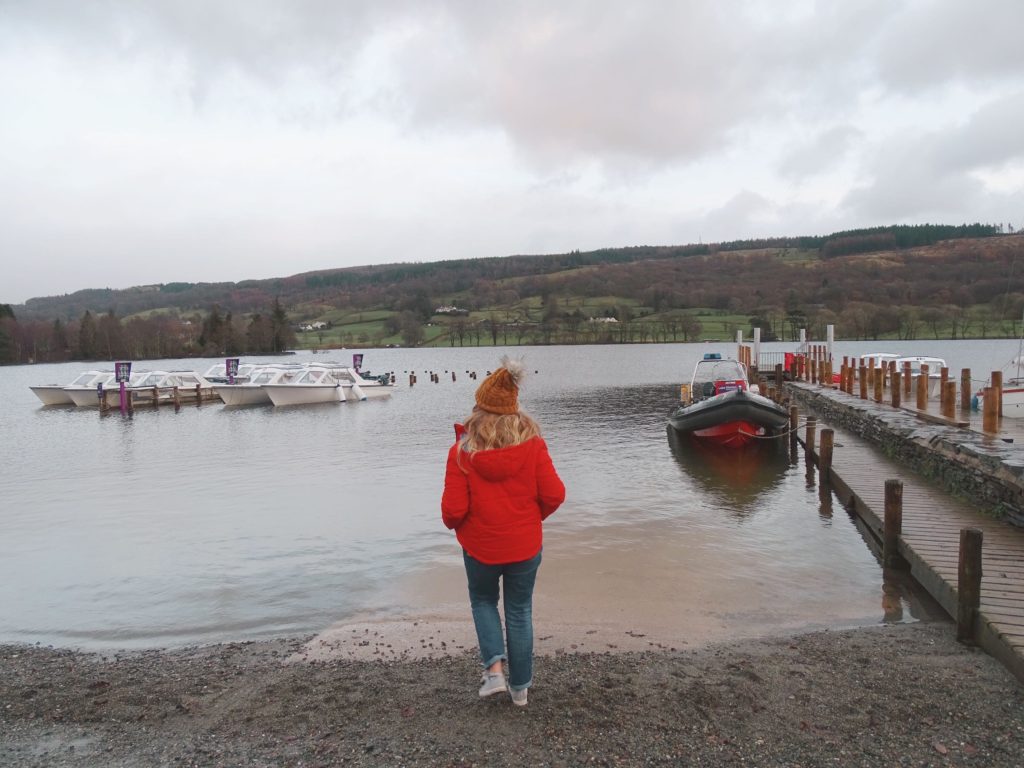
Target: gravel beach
[879,696]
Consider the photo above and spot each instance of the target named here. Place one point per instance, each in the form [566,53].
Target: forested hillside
[899,282]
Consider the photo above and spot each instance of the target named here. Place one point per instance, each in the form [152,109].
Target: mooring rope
[774,437]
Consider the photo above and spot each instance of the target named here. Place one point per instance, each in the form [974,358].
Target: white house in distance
[450,310]
[319,325]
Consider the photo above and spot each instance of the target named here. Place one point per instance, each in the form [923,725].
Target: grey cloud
[565,80]
[739,214]
[647,83]
[936,42]
[821,154]
[930,173]
[991,137]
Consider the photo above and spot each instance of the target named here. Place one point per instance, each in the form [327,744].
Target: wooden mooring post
[997,385]
[794,421]
[949,399]
[990,412]
[906,380]
[879,379]
[922,389]
[810,436]
[968,584]
[965,389]
[896,388]
[893,526]
[862,378]
[825,454]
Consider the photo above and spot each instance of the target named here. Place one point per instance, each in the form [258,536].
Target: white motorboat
[88,395]
[314,384]
[57,394]
[251,392]
[880,358]
[935,366]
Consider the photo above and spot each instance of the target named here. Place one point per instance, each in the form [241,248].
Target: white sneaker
[493,682]
[519,697]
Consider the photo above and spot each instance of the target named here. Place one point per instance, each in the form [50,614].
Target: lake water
[212,523]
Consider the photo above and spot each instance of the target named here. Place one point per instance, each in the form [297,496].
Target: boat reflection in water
[734,478]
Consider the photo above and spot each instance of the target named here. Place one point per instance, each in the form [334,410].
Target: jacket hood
[500,463]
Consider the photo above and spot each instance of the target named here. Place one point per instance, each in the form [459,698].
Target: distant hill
[717,269]
[888,282]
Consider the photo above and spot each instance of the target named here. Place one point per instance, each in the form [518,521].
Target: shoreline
[877,695]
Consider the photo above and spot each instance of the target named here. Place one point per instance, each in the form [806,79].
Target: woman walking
[499,485]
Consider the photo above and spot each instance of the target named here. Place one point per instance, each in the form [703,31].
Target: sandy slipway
[879,696]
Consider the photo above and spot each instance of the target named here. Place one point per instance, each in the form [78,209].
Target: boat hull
[52,394]
[731,419]
[84,397]
[242,394]
[304,394]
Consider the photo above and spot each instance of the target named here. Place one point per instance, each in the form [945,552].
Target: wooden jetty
[969,561]
[157,396]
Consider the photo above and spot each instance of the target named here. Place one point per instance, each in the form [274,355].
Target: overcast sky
[154,141]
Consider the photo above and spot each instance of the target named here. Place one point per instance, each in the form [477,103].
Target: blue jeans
[518,602]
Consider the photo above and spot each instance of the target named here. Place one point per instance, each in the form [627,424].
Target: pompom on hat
[499,392]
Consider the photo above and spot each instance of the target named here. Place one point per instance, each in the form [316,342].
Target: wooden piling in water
[794,420]
[968,583]
[922,389]
[906,380]
[896,388]
[949,399]
[809,436]
[990,412]
[825,454]
[965,389]
[879,380]
[863,381]
[893,527]
[997,385]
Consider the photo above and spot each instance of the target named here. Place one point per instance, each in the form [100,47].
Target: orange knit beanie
[499,392]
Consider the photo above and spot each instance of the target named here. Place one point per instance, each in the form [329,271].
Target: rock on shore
[888,695]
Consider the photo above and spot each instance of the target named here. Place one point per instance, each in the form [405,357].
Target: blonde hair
[486,431]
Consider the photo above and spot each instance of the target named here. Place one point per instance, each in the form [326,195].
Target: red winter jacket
[497,499]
